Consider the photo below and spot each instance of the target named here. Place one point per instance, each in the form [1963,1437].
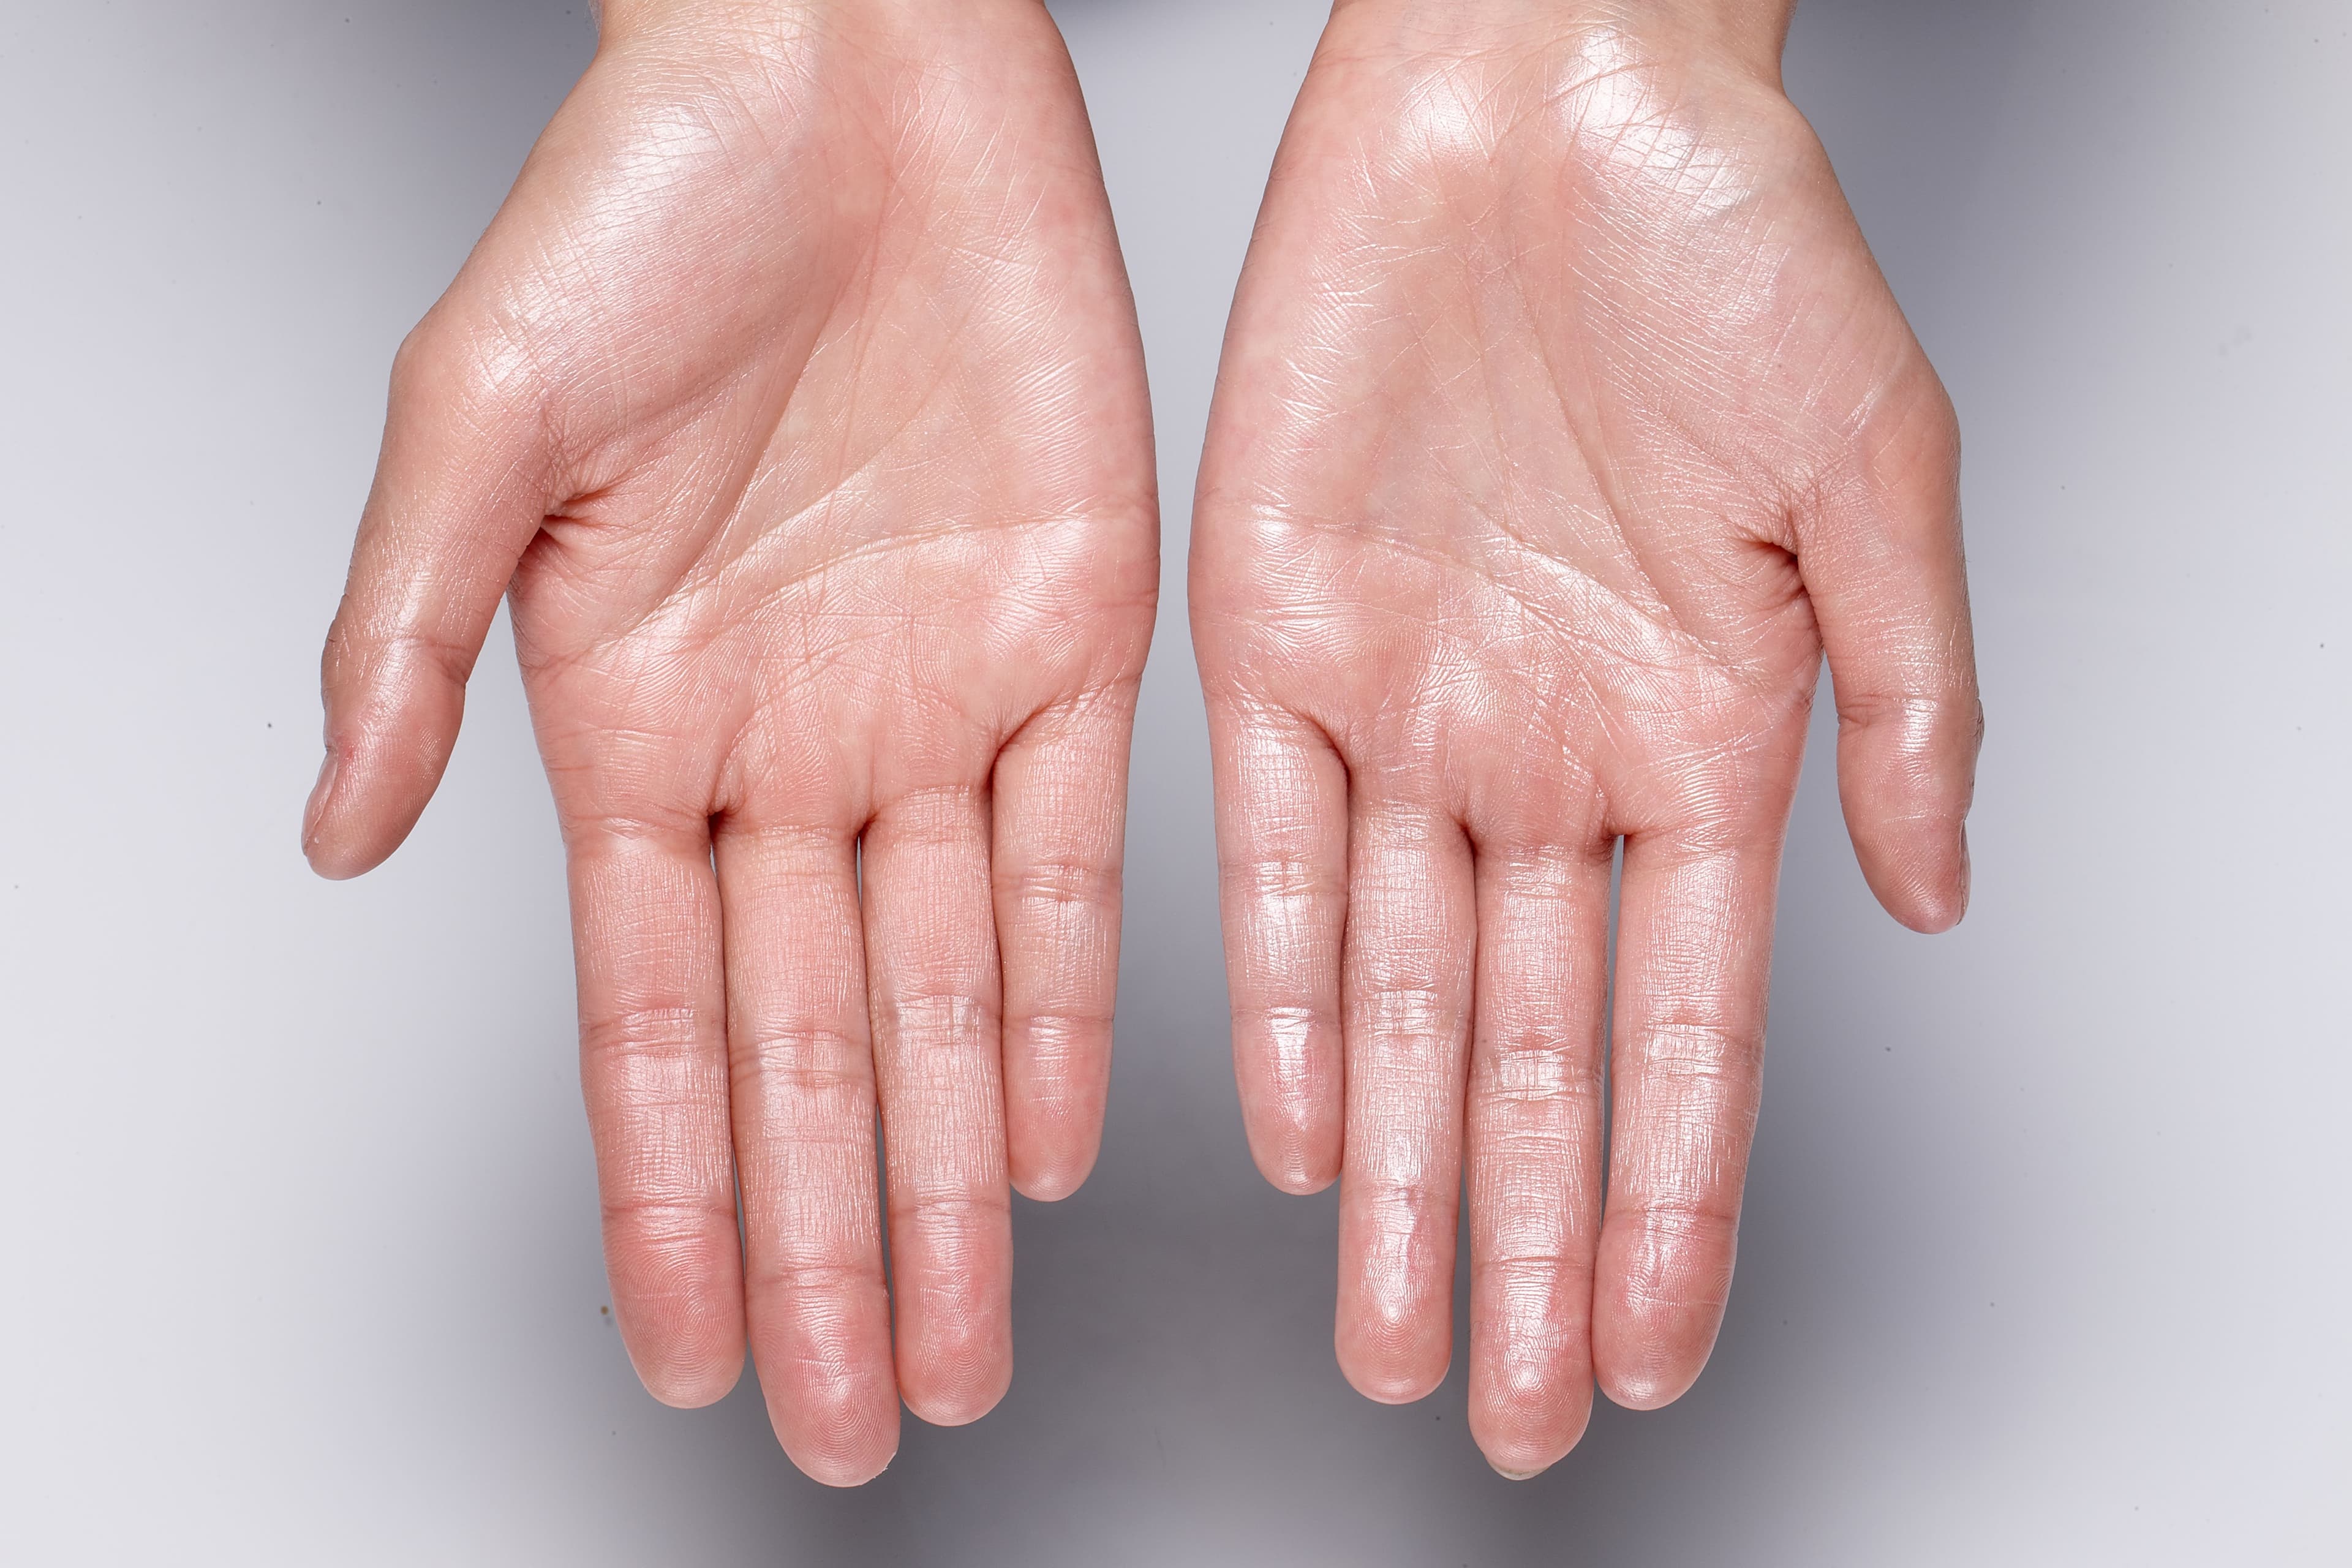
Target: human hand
[1565,420]
[796,400]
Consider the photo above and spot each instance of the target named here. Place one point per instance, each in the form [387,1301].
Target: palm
[1550,361]
[805,353]
[874,477]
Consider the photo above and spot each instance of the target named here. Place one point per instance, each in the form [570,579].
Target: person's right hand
[796,394]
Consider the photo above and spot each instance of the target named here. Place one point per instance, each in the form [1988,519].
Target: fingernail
[313,812]
[1515,1475]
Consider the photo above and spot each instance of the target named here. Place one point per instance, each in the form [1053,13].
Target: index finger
[653,1064]
[1693,962]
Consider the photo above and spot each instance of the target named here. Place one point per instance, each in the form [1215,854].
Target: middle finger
[803,1096]
[1534,1146]
[1405,971]
[934,992]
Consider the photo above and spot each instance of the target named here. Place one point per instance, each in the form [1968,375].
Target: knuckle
[1681,1251]
[1407,1211]
[651,1036]
[826,1278]
[948,1214]
[1922,712]
[935,1020]
[1533,1066]
[1283,1023]
[1694,1042]
[1918,735]
[1062,883]
[364,647]
[430,363]
[1407,1012]
[811,1059]
[1281,878]
[674,1230]
[463,363]
[1054,1039]
[1533,1284]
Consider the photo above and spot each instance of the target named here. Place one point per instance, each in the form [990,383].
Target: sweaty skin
[794,402]
[1564,423]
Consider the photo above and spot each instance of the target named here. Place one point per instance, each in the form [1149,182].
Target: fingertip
[391,727]
[1295,1171]
[954,1343]
[845,1472]
[693,1357]
[688,1345]
[1296,1146]
[1663,1283]
[1526,1450]
[1051,1177]
[1925,887]
[1393,1350]
[328,852]
[1646,1390]
[330,868]
[1954,906]
[338,839]
[690,1385]
[957,1395]
[332,848]
[336,860]
[1907,776]
[1528,1412]
[1054,1117]
[328,864]
[1523,1442]
[1525,1458]
[1391,1383]
[1288,1066]
[1933,917]
[1648,1364]
[681,1320]
[845,1439]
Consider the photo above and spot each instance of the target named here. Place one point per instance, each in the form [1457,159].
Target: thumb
[460,490]
[1883,564]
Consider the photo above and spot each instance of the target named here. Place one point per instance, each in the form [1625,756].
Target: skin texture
[794,403]
[1565,422]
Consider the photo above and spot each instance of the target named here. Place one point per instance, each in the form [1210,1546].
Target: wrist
[617,18]
[1747,34]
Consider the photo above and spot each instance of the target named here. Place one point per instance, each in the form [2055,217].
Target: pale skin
[1565,422]
[794,405]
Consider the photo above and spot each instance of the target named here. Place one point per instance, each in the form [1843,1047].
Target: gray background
[2044,1259]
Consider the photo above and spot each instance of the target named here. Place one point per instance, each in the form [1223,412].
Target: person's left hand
[1564,421]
